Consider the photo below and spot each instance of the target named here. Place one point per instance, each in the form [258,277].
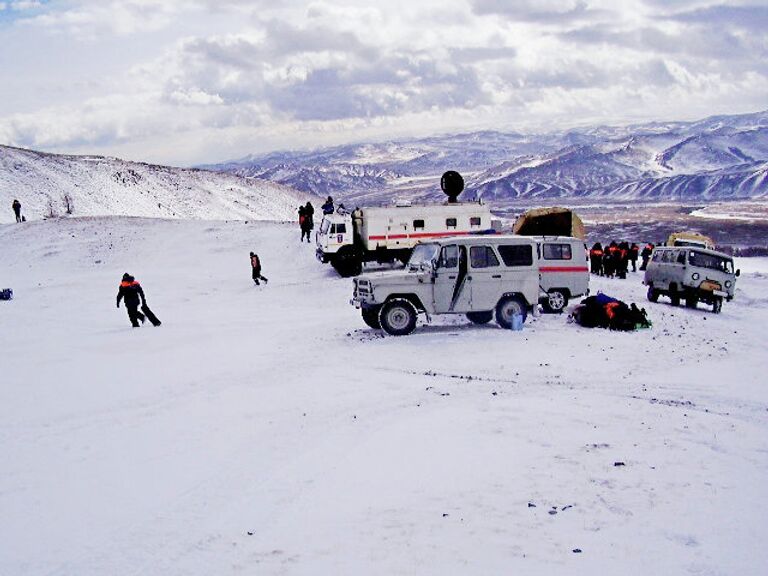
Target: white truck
[385,234]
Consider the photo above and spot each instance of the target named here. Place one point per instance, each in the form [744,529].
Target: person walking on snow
[131,292]
[309,212]
[303,223]
[256,270]
[17,210]
[327,208]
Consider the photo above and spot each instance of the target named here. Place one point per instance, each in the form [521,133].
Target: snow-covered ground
[266,430]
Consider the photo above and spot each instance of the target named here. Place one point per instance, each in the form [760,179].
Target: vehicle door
[451,288]
[521,274]
[484,277]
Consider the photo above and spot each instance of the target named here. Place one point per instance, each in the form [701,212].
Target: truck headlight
[695,276]
[727,283]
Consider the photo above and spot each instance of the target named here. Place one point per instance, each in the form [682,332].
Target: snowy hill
[266,430]
[99,186]
[719,158]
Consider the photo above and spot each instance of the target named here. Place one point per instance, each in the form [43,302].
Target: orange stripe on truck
[563,269]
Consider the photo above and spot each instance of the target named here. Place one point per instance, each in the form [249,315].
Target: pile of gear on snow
[603,311]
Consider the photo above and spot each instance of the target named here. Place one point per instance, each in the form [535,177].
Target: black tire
[348,262]
[653,294]
[555,302]
[691,300]
[397,317]
[371,317]
[674,295]
[480,317]
[717,305]
[507,307]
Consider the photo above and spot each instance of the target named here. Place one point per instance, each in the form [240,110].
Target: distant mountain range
[719,158]
[100,186]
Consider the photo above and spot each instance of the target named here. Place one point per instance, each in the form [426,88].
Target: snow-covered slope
[108,186]
[719,158]
[268,431]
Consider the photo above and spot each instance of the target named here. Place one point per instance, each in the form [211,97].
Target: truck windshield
[423,254]
[711,261]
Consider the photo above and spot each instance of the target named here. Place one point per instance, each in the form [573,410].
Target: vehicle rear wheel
[674,295]
[371,317]
[717,305]
[508,307]
[555,302]
[398,317]
[653,294]
[691,300]
[480,317]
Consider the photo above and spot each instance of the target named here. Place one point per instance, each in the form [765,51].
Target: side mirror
[738,272]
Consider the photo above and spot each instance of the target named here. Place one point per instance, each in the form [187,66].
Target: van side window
[517,254]
[474,222]
[656,256]
[449,256]
[333,228]
[450,222]
[681,257]
[557,251]
[418,224]
[482,257]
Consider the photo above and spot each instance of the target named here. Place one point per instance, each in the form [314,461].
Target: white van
[690,273]
[563,270]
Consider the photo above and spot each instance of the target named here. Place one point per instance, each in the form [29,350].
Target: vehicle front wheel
[717,305]
[508,307]
[653,294]
[398,317]
[555,302]
[371,317]
[480,317]
[691,300]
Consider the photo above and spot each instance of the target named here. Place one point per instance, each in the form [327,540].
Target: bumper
[322,256]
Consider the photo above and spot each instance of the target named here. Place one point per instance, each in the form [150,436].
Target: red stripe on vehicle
[563,269]
[421,235]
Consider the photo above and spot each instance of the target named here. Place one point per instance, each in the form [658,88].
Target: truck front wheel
[653,294]
[398,317]
[717,305]
[347,262]
[371,317]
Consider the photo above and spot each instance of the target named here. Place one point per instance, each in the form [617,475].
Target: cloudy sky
[197,81]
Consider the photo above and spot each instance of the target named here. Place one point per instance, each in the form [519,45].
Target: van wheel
[398,317]
[674,295]
[508,307]
[653,294]
[691,300]
[371,317]
[555,302]
[480,317]
[717,305]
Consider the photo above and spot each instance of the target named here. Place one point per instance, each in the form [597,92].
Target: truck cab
[334,233]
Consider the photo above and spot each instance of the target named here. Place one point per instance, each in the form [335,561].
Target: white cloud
[261,74]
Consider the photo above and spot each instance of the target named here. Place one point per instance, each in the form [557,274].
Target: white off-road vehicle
[482,277]
[691,274]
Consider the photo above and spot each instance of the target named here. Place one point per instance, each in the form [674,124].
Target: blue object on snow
[604,299]
[517,322]
[6,294]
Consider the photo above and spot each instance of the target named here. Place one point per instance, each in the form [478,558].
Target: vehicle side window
[474,222]
[449,256]
[517,254]
[333,228]
[656,256]
[450,222]
[557,251]
[482,257]
[418,224]
[681,257]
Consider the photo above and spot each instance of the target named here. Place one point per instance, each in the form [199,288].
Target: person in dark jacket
[596,258]
[256,270]
[131,292]
[328,206]
[17,210]
[646,255]
[634,252]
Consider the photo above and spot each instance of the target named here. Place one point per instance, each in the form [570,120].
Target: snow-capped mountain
[96,185]
[718,158]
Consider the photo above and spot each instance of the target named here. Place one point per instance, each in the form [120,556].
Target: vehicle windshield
[423,254]
[703,260]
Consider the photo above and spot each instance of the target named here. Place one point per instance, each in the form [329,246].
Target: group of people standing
[614,259]
[307,217]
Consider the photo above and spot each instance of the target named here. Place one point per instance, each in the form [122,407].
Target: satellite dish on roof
[452,184]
